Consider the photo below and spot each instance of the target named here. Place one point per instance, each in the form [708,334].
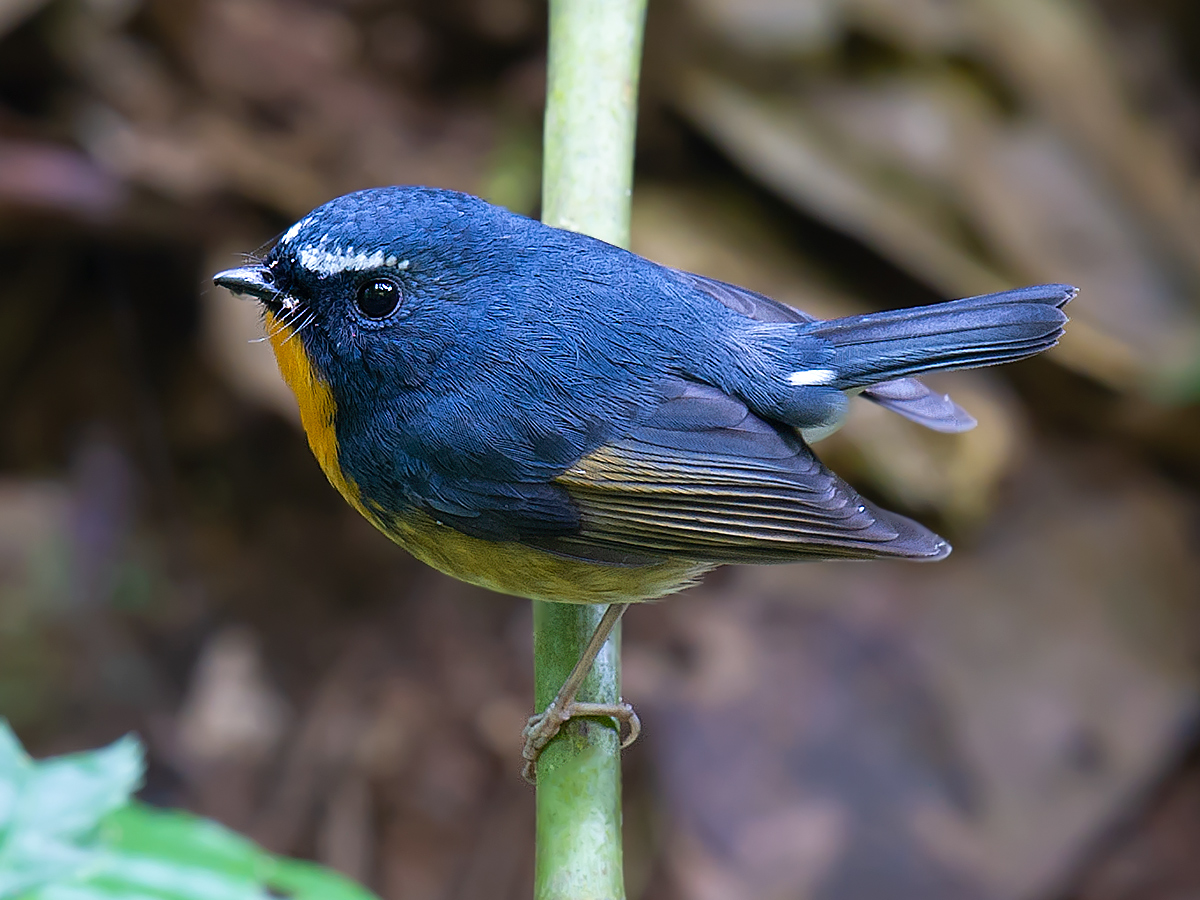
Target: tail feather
[962,334]
[916,402]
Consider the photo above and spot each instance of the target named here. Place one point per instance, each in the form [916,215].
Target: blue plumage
[541,388]
[961,334]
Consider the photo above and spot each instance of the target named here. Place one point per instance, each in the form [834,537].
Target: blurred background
[1017,722]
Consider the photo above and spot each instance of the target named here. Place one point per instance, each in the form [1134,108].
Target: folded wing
[704,478]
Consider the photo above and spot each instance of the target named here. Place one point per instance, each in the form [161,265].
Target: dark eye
[379,298]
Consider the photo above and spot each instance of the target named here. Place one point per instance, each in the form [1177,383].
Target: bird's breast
[504,566]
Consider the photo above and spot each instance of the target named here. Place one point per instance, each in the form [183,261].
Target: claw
[634,724]
[542,728]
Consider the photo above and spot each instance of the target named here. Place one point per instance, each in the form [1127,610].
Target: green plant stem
[591,112]
[578,854]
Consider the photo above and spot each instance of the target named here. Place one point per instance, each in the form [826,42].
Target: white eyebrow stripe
[811,376]
[331,262]
[290,234]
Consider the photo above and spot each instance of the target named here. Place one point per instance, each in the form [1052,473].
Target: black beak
[249,281]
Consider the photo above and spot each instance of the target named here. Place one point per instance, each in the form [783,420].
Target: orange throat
[317,406]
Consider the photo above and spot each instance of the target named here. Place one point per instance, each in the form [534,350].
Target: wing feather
[715,491]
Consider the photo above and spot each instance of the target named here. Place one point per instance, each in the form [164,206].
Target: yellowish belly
[512,568]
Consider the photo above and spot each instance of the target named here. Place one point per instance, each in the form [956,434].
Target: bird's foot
[544,726]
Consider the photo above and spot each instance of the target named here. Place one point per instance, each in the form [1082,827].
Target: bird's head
[371,284]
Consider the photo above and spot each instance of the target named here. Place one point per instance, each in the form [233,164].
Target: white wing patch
[811,376]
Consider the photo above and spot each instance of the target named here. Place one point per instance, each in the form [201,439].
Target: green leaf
[69,831]
[49,810]
[190,844]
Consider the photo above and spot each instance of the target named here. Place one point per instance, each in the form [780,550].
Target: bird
[545,414]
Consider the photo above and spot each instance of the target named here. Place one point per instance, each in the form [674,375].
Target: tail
[961,334]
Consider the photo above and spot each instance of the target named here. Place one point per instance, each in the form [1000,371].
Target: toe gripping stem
[542,727]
